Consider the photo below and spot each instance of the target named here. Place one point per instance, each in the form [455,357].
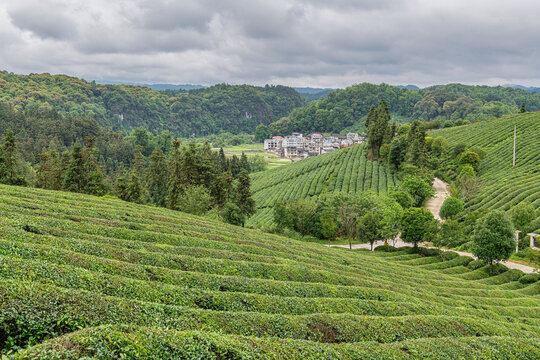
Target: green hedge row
[130,342]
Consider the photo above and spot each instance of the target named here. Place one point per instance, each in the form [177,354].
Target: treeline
[347,109]
[189,177]
[220,108]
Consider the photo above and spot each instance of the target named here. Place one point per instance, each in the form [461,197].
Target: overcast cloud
[320,43]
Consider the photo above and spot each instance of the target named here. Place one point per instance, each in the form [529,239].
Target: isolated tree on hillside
[418,225]
[493,238]
[522,109]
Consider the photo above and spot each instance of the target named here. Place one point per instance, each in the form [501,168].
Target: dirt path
[441,193]
[434,205]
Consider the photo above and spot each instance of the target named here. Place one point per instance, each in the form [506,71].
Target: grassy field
[344,170]
[503,185]
[91,277]
[257,149]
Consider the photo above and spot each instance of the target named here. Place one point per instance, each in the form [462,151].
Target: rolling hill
[201,111]
[102,278]
[503,185]
[345,170]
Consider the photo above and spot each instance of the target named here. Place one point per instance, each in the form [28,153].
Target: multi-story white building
[298,146]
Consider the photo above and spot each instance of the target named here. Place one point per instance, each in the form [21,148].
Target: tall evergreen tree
[157,178]
[10,169]
[243,195]
[235,166]
[377,128]
[175,187]
[223,162]
[75,178]
[371,116]
[244,163]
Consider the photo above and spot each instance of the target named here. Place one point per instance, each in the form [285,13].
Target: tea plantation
[503,185]
[344,170]
[91,277]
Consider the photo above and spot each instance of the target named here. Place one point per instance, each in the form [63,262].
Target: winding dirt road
[434,205]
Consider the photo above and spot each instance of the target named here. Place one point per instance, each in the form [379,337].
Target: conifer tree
[134,190]
[235,166]
[244,163]
[75,176]
[243,195]
[175,186]
[157,178]
[10,170]
[223,162]
[377,128]
[371,116]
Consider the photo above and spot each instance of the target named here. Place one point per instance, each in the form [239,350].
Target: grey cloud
[43,22]
[318,42]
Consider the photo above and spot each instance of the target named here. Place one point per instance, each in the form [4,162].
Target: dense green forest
[347,108]
[220,108]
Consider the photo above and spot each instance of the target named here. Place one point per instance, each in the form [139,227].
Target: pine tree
[371,116]
[377,128]
[10,170]
[97,184]
[157,178]
[223,163]
[75,176]
[134,190]
[243,195]
[175,186]
[244,163]
[235,166]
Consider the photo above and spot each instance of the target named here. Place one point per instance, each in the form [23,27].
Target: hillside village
[300,147]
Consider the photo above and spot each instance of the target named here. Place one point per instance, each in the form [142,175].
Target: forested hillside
[503,186]
[346,171]
[122,280]
[220,108]
[347,108]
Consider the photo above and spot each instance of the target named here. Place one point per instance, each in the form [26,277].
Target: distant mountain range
[526,88]
[158,87]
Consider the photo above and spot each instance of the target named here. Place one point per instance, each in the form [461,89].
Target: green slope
[345,170]
[129,281]
[503,185]
[212,110]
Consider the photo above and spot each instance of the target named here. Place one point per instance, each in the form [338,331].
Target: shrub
[476,264]
[451,207]
[529,278]
[386,248]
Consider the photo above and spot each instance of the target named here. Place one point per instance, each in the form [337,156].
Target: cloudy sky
[320,43]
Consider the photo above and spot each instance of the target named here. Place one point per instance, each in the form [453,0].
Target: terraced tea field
[344,170]
[503,185]
[109,279]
